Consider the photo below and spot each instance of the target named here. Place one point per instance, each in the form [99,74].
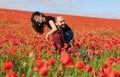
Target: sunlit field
[94,52]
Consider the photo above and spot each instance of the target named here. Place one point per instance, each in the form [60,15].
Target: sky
[90,8]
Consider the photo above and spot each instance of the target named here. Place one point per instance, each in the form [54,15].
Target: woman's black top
[47,19]
[64,28]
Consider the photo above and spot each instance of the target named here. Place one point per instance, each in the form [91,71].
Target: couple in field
[60,31]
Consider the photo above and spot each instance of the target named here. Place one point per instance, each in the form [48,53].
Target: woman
[38,23]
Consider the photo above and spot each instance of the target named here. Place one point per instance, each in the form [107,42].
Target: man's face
[60,21]
[38,19]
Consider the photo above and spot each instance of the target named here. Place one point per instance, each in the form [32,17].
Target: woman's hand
[47,37]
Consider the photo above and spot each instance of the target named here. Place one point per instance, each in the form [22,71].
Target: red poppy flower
[40,63]
[13,51]
[44,71]
[108,70]
[117,73]
[89,68]
[35,69]
[80,65]
[110,60]
[65,45]
[7,66]
[118,60]
[51,62]
[11,74]
[40,48]
[64,58]
[102,74]
[71,63]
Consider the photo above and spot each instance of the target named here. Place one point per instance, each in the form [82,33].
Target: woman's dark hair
[38,27]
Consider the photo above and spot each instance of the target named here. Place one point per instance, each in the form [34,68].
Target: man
[67,32]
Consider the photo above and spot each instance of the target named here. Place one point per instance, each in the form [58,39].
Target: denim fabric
[68,36]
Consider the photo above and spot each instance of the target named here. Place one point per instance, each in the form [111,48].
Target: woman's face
[38,19]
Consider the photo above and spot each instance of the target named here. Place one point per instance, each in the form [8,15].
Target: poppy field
[94,51]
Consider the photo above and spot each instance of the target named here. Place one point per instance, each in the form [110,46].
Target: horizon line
[65,14]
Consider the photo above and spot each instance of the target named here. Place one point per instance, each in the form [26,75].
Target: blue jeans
[68,36]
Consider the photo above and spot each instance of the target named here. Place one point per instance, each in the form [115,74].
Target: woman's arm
[54,28]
